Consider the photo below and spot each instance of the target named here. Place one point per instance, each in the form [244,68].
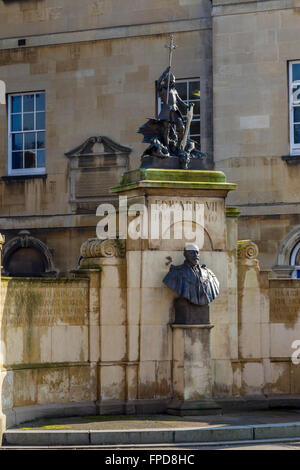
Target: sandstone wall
[268,325]
[93,87]
[103,344]
[252,46]
[35,17]
[44,345]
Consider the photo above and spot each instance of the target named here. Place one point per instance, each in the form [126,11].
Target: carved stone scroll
[95,248]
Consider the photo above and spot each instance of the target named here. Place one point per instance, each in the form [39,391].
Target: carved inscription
[42,304]
[284,305]
[211,217]
[213,210]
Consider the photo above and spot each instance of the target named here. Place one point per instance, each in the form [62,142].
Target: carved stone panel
[95,166]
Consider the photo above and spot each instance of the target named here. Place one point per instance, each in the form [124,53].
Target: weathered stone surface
[67,67]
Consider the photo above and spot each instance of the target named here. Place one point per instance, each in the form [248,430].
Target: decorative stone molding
[247,250]
[87,147]
[283,267]
[95,248]
[25,240]
[232,212]
[2,241]
[287,246]
[95,166]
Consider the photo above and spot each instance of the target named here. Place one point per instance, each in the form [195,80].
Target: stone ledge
[46,365]
[232,212]
[113,32]
[163,178]
[291,159]
[22,178]
[210,434]
[250,6]
[204,326]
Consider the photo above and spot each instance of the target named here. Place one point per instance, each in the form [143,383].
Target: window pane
[181,88]
[17,142]
[17,160]
[28,122]
[296,72]
[194,90]
[41,140]
[41,158]
[29,159]
[28,103]
[195,127]
[16,122]
[40,120]
[40,102]
[297,114]
[297,134]
[16,104]
[29,140]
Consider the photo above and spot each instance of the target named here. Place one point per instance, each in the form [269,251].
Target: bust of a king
[194,283]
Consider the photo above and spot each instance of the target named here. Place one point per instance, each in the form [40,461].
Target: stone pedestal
[192,376]
[187,313]
[149,205]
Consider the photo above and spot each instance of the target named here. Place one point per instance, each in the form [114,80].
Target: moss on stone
[48,280]
[153,174]
[232,212]
[87,267]
[46,365]
[156,178]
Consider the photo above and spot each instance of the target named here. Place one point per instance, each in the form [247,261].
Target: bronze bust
[196,286]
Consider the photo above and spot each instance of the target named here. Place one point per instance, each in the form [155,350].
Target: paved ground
[163,421]
[256,430]
[165,449]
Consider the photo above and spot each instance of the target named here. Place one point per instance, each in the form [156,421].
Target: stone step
[20,438]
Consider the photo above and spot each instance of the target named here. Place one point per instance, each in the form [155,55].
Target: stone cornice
[222,8]
[117,32]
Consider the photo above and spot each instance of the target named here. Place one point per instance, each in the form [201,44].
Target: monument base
[173,179]
[187,313]
[171,163]
[193,408]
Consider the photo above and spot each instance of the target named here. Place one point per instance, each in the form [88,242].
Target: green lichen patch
[232,212]
[53,427]
[159,178]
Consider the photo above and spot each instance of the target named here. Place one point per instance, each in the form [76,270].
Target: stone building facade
[91,67]
[96,64]
[93,72]
[255,66]
[89,70]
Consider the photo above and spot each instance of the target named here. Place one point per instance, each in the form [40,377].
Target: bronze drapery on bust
[196,286]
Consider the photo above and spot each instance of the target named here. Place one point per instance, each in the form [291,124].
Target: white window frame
[294,148]
[22,171]
[188,81]
[293,260]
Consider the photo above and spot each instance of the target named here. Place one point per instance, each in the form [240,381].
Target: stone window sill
[21,178]
[291,159]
